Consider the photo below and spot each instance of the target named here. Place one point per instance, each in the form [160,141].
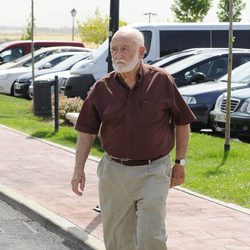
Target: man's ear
[141,52]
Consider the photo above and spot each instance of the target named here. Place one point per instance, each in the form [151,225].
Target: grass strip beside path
[205,172]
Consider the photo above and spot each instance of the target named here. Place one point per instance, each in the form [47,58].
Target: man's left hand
[178,175]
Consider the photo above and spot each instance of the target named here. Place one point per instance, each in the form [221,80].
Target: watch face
[182,162]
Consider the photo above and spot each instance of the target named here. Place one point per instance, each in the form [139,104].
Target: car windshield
[240,74]
[170,58]
[185,63]
[38,54]
[18,60]
[37,57]
[68,63]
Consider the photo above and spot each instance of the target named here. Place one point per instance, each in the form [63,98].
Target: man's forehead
[122,38]
[123,34]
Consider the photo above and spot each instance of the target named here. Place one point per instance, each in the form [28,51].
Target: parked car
[13,50]
[78,84]
[49,78]
[157,44]
[240,112]
[40,54]
[207,66]
[24,81]
[177,56]
[21,86]
[8,77]
[201,98]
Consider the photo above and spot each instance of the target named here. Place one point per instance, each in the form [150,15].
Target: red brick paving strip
[42,172]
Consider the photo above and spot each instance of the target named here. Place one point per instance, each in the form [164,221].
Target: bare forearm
[182,138]
[83,146]
[178,171]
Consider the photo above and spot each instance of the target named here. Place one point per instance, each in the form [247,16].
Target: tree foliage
[190,10]
[95,29]
[223,12]
[27,34]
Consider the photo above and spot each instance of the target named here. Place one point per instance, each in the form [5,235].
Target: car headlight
[81,69]
[245,107]
[248,108]
[189,99]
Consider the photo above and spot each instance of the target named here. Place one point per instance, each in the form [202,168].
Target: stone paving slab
[41,172]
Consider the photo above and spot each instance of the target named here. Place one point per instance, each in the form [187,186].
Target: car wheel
[12,89]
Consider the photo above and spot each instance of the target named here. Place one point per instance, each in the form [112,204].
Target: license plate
[220,117]
[64,82]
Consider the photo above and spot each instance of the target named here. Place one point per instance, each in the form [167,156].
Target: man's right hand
[78,183]
[178,175]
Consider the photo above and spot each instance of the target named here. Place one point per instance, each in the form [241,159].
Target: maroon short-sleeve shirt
[135,123]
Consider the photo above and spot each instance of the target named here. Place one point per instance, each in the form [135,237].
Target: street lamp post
[113,26]
[149,14]
[73,14]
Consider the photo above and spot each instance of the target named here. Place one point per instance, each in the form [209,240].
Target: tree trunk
[230,60]
[32,40]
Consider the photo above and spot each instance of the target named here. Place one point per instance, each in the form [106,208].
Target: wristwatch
[181,162]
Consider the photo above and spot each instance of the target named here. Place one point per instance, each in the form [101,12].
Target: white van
[160,40]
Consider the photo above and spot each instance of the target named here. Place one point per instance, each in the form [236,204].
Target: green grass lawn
[206,172]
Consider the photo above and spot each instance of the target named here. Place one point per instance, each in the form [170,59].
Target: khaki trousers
[133,204]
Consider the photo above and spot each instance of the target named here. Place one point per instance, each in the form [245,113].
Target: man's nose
[118,54]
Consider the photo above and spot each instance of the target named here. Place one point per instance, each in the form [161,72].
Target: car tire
[12,90]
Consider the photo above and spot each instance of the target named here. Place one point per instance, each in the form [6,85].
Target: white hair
[136,34]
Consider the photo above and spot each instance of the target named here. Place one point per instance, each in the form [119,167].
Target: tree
[229,79]
[27,35]
[223,12]
[190,10]
[95,29]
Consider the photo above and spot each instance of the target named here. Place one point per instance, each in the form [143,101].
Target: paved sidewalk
[37,175]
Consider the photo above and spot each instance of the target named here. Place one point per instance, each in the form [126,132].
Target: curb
[50,220]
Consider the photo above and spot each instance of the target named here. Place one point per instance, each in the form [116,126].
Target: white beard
[120,65]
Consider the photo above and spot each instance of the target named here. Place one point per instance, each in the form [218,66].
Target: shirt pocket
[147,111]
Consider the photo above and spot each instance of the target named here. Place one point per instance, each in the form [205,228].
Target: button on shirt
[135,123]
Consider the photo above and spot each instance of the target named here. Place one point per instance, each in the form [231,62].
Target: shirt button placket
[129,119]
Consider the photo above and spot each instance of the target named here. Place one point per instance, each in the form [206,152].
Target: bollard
[56,104]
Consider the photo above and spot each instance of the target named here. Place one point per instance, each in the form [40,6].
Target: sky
[56,13]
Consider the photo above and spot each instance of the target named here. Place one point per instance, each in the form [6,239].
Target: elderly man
[141,115]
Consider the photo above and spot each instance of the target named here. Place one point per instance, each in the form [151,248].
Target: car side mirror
[197,77]
[46,66]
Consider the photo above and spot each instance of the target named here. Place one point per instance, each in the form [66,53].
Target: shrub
[67,105]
